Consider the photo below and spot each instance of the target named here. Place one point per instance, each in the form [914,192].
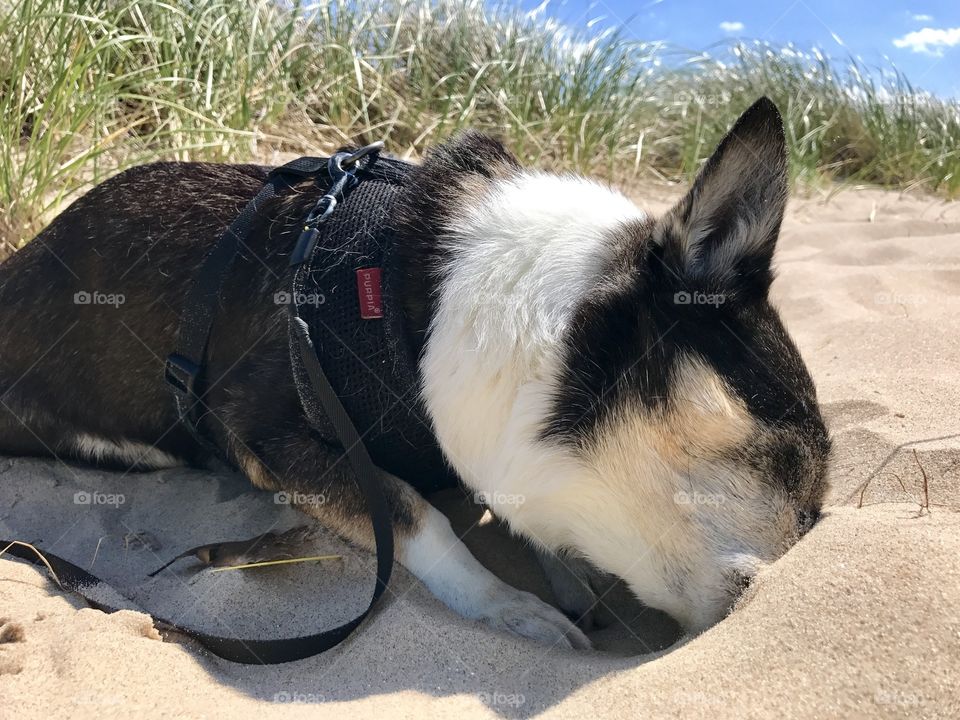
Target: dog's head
[685,398]
[627,376]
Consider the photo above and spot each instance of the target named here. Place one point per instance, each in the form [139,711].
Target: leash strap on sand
[311,381]
[253,652]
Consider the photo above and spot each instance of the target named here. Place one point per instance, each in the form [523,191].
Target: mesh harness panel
[368,361]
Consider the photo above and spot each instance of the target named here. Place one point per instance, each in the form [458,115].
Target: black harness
[351,364]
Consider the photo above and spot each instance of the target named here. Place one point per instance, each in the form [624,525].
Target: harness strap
[184,368]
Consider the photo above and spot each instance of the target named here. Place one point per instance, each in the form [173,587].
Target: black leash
[184,370]
[248,651]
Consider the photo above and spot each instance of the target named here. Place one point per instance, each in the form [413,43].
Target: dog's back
[89,310]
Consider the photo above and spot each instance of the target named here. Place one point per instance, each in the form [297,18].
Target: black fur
[746,177]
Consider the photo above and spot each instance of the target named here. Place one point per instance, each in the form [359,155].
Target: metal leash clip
[342,168]
[357,155]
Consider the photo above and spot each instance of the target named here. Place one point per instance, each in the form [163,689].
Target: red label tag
[368,288]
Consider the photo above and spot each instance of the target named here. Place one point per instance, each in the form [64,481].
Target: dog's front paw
[526,615]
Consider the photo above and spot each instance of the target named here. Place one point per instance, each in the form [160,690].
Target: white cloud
[731,26]
[920,17]
[929,40]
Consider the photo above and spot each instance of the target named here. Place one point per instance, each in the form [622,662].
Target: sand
[860,619]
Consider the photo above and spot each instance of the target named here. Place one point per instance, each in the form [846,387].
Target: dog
[617,387]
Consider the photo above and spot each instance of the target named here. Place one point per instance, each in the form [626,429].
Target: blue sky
[921,38]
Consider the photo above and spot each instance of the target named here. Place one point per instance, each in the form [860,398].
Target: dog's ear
[721,236]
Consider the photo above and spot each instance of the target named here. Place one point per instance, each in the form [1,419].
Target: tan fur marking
[702,422]
[704,419]
[357,529]
[255,470]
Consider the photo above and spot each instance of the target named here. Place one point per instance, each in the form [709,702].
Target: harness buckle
[342,169]
[181,373]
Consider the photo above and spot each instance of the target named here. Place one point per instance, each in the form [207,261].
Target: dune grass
[89,87]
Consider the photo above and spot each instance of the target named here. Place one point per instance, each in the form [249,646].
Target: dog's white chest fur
[521,261]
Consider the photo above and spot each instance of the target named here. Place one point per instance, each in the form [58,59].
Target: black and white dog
[626,376]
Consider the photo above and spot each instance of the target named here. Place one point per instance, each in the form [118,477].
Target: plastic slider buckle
[181,373]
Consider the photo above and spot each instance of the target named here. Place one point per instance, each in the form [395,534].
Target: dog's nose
[807,518]
[739,582]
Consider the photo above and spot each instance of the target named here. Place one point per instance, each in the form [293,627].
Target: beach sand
[860,619]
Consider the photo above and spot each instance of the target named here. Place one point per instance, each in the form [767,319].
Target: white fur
[521,260]
[100,449]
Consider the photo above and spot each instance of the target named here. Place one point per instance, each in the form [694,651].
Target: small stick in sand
[96,552]
[268,563]
[863,490]
[925,505]
[866,484]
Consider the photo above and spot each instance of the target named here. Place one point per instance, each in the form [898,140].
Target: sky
[920,38]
